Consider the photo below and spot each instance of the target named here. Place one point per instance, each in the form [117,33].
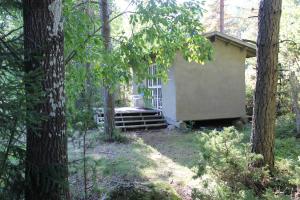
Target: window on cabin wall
[154,85]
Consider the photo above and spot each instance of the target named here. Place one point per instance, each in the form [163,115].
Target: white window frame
[154,84]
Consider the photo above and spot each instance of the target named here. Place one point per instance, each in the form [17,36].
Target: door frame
[154,84]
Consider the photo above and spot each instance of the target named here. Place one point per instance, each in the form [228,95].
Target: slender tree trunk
[222,16]
[295,88]
[108,95]
[88,99]
[88,103]
[46,151]
[264,113]
[84,165]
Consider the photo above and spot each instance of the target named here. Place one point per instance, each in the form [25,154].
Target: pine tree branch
[10,32]
[11,50]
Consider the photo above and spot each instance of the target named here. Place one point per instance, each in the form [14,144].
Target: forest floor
[160,157]
[163,161]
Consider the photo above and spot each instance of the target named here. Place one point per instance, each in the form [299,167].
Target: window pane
[159,93]
[154,82]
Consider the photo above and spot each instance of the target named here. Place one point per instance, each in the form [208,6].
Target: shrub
[270,195]
[222,192]
[227,158]
[286,177]
[226,166]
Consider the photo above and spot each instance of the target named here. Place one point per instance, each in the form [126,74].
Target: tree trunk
[108,95]
[222,16]
[295,88]
[46,171]
[264,113]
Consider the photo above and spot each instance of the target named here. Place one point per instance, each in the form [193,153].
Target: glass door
[154,85]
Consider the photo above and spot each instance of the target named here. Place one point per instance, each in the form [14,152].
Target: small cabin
[193,92]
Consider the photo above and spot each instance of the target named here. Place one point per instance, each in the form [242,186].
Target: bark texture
[46,151]
[222,16]
[108,95]
[264,113]
[295,88]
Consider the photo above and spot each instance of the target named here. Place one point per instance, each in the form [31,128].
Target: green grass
[159,158]
[287,148]
[162,157]
[125,160]
[182,148]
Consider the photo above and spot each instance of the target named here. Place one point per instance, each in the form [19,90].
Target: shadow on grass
[182,148]
[123,160]
[156,162]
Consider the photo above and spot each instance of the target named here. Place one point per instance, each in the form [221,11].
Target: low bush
[227,171]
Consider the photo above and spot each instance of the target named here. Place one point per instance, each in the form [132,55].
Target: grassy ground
[164,158]
[160,157]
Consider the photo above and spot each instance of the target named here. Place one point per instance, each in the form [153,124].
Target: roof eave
[251,49]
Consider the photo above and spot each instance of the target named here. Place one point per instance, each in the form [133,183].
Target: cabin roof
[250,48]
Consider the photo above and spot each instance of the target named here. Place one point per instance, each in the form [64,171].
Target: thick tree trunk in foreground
[46,150]
[295,88]
[264,113]
[108,96]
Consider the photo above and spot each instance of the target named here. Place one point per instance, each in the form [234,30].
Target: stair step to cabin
[145,116]
[139,121]
[163,125]
[135,118]
[117,118]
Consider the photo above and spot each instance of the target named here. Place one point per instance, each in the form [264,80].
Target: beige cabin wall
[212,91]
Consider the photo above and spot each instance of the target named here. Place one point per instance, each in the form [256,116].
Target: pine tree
[108,95]
[264,115]
[46,151]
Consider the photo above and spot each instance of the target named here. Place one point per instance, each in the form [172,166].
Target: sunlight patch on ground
[157,157]
[169,171]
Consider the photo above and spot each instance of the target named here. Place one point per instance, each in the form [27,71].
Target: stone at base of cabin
[245,119]
[147,191]
[202,128]
[181,125]
[219,129]
[240,123]
[171,127]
